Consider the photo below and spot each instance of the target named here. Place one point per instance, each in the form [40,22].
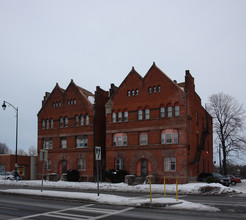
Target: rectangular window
[81,120]
[173,163]
[168,138]
[175,138]
[66,122]
[63,143]
[47,164]
[140,114]
[120,139]
[76,120]
[162,112]
[143,139]
[169,111]
[120,163]
[43,124]
[169,164]
[147,114]
[86,119]
[82,164]
[119,116]
[47,144]
[162,138]
[51,123]
[81,141]
[125,116]
[176,110]
[61,122]
[113,117]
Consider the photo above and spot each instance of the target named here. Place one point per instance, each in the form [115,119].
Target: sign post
[43,157]
[98,157]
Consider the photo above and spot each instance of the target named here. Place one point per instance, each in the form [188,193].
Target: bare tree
[32,151]
[22,152]
[4,149]
[228,117]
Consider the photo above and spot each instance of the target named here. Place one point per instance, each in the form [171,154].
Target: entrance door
[64,166]
[143,167]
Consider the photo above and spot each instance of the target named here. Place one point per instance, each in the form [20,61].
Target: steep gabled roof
[48,95]
[154,67]
[132,73]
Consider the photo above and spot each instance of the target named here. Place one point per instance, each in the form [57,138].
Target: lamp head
[4,105]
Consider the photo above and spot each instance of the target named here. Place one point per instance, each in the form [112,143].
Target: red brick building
[27,165]
[157,126]
[68,128]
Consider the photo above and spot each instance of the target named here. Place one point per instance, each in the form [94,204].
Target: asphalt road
[19,207]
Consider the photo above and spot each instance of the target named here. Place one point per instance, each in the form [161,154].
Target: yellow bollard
[164,187]
[177,196]
[150,189]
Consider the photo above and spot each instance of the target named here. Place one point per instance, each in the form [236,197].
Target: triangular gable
[85,94]
[153,70]
[57,89]
[132,75]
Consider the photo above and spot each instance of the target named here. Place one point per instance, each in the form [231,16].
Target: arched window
[169,136]
[158,88]
[137,92]
[47,123]
[140,114]
[133,92]
[128,93]
[162,112]
[76,120]
[43,123]
[169,111]
[86,119]
[119,116]
[149,90]
[176,109]
[61,122]
[66,121]
[154,89]
[120,139]
[125,115]
[147,113]
[81,120]
[51,123]
[113,117]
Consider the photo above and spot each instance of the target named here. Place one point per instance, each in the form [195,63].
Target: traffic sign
[98,152]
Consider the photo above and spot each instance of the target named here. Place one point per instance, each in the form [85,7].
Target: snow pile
[118,200]
[190,188]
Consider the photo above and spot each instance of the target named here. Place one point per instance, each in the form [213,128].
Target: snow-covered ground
[171,202]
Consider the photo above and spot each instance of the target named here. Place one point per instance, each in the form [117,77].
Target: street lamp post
[16,141]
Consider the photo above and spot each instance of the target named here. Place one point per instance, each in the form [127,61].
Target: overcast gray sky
[96,43]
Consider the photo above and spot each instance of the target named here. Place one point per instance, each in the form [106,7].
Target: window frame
[63,143]
[162,112]
[140,114]
[125,115]
[120,163]
[143,139]
[170,164]
[120,139]
[81,141]
[147,113]
[81,164]
[176,110]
